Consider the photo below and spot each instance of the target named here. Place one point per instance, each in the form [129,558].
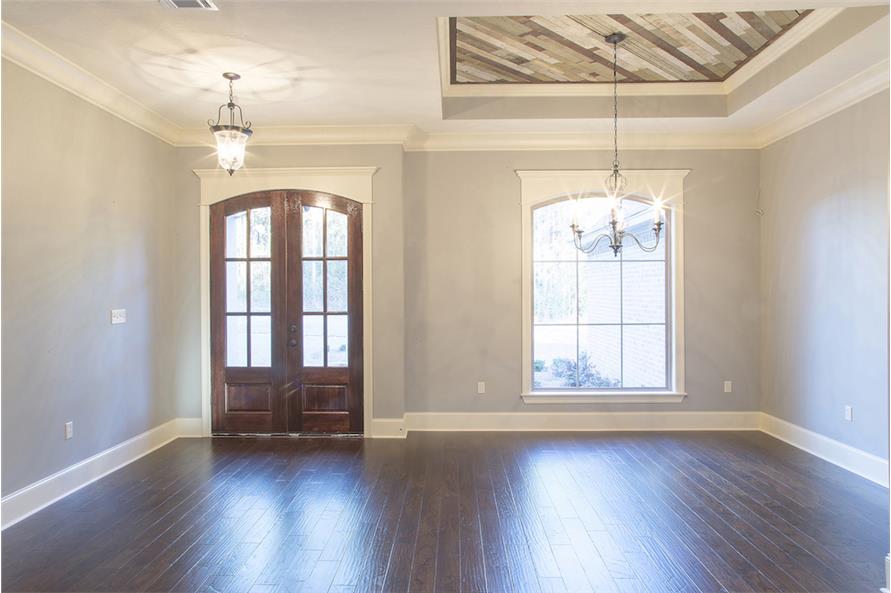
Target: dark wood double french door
[286,313]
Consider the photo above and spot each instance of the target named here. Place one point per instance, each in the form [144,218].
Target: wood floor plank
[462,512]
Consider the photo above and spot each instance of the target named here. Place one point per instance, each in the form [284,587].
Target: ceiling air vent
[200,4]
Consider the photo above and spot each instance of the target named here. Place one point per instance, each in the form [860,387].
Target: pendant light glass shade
[231,144]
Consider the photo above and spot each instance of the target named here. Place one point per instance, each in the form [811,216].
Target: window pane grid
[642,343]
[249,232]
[325,290]
[247,259]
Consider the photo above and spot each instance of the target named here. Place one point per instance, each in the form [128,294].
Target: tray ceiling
[682,47]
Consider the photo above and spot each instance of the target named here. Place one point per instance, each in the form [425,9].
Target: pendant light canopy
[231,137]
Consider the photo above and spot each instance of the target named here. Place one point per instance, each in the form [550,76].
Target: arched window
[599,323]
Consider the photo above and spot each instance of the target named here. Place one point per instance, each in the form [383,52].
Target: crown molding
[35,57]
[314,135]
[28,53]
[784,43]
[422,142]
[857,88]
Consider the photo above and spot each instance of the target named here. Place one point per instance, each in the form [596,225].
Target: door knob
[292,328]
[292,342]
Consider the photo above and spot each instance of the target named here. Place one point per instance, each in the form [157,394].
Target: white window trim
[542,186]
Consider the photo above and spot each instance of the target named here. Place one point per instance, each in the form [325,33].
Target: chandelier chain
[615,106]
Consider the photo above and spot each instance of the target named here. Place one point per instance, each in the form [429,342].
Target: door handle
[292,342]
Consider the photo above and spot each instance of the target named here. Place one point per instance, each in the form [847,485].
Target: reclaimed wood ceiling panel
[688,47]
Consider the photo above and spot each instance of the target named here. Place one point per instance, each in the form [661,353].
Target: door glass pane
[554,293]
[599,362]
[337,285]
[236,235]
[643,352]
[337,234]
[554,352]
[643,292]
[313,341]
[313,286]
[236,287]
[261,341]
[261,232]
[337,340]
[236,341]
[261,287]
[312,231]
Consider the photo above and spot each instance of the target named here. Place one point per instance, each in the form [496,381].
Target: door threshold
[289,435]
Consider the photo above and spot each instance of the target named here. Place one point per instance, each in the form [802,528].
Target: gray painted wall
[824,263]
[108,218]
[462,253]
[84,231]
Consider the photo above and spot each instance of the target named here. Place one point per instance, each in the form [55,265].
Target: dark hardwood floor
[455,512]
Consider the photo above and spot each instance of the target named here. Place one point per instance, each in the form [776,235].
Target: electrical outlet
[481,388]
[118,316]
[849,414]
[728,386]
[69,430]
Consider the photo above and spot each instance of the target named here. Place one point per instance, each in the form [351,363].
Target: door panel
[247,306]
[325,305]
[286,313]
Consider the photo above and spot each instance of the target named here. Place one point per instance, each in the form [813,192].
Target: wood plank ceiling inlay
[689,47]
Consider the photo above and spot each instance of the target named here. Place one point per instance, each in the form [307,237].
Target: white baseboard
[387,428]
[887,586]
[189,427]
[581,421]
[30,499]
[871,467]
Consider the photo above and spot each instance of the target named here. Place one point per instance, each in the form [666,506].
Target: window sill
[631,397]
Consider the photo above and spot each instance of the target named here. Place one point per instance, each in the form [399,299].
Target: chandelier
[231,138]
[615,188]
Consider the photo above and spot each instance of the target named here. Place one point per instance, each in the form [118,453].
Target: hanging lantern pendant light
[231,138]
[616,183]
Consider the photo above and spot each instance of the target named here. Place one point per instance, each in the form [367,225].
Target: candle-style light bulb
[657,210]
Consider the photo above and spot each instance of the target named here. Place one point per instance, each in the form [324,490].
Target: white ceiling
[366,62]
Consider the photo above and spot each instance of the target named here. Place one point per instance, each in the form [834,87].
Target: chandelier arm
[593,245]
[643,247]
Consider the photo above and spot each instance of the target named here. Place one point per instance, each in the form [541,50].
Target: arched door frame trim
[350,182]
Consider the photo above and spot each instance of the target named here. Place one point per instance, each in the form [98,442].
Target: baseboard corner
[32,498]
[862,463]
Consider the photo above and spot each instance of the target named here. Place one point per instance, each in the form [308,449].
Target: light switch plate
[481,387]
[69,430]
[849,413]
[728,386]
[118,316]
